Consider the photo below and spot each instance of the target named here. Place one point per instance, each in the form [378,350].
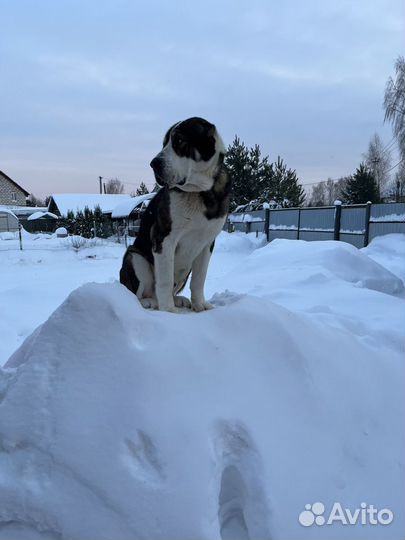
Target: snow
[274,227]
[78,201]
[118,422]
[388,217]
[244,218]
[5,210]
[389,251]
[124,209]
[39,215]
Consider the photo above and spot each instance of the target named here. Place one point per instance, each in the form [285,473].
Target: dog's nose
[156,164]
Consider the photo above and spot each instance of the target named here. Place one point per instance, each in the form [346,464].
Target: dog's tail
[127,273]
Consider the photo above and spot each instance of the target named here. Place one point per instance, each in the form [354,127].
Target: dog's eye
[178,140]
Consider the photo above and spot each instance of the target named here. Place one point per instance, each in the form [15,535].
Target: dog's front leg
[198,274]
[164,276]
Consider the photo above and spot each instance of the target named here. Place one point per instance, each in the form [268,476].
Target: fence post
[299,223]
[266,223]
[248,225]
[338,213]
[19,235]
[367,223]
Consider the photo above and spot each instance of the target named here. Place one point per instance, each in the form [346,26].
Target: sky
[90,87]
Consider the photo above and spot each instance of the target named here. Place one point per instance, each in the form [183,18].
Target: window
[14,196]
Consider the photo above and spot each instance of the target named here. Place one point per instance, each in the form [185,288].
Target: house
[61,203]
[11,193]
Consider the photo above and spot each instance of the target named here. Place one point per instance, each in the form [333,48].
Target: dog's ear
[211,130]
[167,136]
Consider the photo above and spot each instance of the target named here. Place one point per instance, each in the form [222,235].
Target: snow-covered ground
[117,422]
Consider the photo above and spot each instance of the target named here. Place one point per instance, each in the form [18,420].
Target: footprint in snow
[141,457]
[242,506]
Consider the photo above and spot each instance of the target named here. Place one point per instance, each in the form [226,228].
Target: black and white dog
[179,227]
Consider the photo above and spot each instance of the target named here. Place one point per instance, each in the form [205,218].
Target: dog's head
[192,151]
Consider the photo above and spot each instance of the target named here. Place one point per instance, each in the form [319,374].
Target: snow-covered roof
[125,208]
[78,201]
[39,215]
[27,210]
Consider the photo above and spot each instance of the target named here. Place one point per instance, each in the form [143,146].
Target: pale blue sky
[88,88]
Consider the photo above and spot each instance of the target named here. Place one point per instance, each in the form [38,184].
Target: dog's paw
[170,309]
[201,306]
[182,301]
[149,303]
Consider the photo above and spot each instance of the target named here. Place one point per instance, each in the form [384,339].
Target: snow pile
[389,251]
[40,215]
[117,422]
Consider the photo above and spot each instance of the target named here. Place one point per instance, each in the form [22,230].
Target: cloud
[118,77]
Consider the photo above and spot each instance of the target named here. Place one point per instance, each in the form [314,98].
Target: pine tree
[141,190]
[361,187]
[242,165]
[99,222]
[255,180]
[284,188]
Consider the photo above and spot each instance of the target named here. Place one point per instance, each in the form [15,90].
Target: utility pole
[101,183]
[375,162]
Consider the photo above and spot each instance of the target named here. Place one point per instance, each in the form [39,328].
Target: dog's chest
[191,229]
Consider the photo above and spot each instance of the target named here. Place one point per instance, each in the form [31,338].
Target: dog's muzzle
[157,166]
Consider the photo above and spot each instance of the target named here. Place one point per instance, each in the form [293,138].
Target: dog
[178,229]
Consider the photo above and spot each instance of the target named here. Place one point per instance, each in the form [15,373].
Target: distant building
[11,194]
[61,203]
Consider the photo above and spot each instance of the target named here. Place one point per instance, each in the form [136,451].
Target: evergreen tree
[361,187]
[242,165]
[88,222]
[284,187]
[141,190]
[255,180]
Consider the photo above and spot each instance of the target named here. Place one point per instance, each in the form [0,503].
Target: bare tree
[396,188]
[340,188]
[394,103]
[318,195]
[330,192]
[378,160]
[35,201]
[114,186]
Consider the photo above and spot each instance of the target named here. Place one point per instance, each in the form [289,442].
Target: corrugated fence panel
[379,228]
[257,215]
[386,219]
[387,212]
[279,219]
[353,220]
[317,219]
[239,227]
[287,234]
[316,235]
[356,240]
[257,226]
[319,223]
[283,224]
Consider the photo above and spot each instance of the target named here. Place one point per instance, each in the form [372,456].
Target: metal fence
[355,224]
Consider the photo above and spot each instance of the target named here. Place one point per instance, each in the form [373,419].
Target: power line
[396,165]
[389,146]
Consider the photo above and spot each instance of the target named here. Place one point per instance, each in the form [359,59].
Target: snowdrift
[117,422]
